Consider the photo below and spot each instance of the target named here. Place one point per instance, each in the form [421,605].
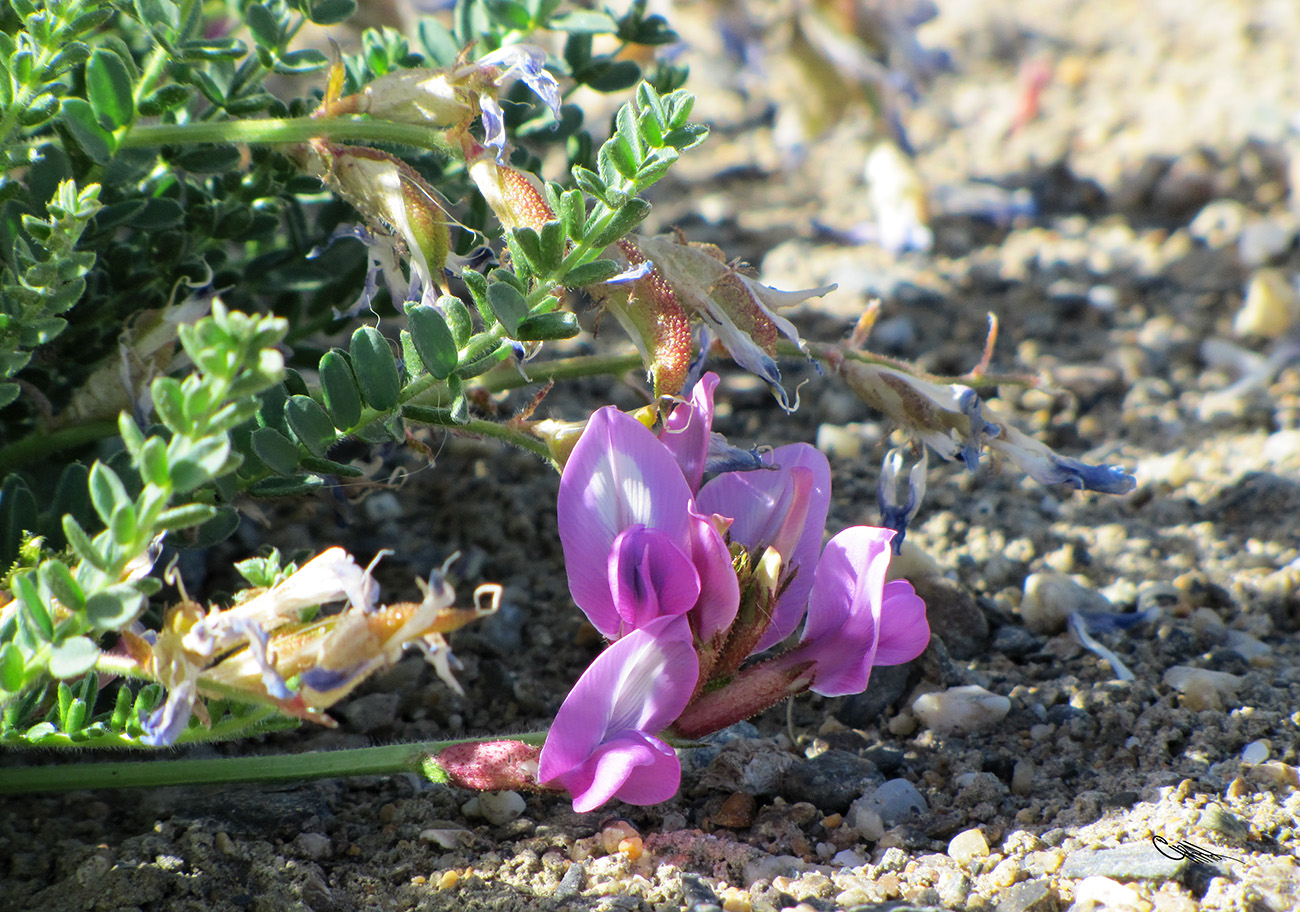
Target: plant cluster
[173,339]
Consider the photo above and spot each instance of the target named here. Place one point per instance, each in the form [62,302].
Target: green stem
[365,761]
[506,377]
[508,434]
[285,131]
[45,443]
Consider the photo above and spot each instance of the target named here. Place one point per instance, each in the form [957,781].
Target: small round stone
[968,845]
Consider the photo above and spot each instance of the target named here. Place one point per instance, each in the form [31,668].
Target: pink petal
[719,590]
[618,475]
[686,431]
[759,502]
[842,630]
[640,683]
[635,768]
[649,577]
[904,629]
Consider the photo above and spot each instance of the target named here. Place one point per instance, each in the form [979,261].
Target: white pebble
[1049,598]
[1102,892]
[844,441]
[1256,751]
[961,710]
[1201,688]
[1246,646]
[1270,306]
[966,845]
[868,824]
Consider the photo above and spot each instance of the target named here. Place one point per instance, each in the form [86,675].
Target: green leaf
[108,87]
[458,318]
[433,339]
[17,515]
[107,492]
[79,117]
[211,49]
[627,218]
[530,245]
[306,60]
[508,305]
[263,25]
[195,463]
[216,530]
[591,183]
[613,76]
[553,238]
[339,388]
[34,608]
[289,486]
[81,543]
[310,423]
[276,450]
[687,137]
[125,525]
[184,517]
[332,12]
[13,676]
[73,657]
[438,41]
[549,327]
[164,98]
[153,463]
[511,14]
[585,22]
[114,607]
[121,706]
[57,578]
[169,403]
[330,467]
[42,108]
[9,393]
[376,368]
[592,273]
[159,12]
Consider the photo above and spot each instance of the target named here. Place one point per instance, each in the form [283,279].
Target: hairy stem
[365,761]
[277,131]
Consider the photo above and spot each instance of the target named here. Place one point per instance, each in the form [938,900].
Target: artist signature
[1187,850]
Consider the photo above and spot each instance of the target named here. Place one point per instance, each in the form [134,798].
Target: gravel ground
[1156,271]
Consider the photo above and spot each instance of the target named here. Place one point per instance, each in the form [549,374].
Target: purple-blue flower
[603,742]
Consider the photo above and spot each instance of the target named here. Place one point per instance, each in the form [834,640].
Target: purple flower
[522,61]
[855,618]
[602,744]
[634,545]
[785,510]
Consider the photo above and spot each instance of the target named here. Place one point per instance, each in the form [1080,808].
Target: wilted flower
[401,209]
[603,742]
[953,420]
[452,96]
[895,515]
[257,649]
[739,310]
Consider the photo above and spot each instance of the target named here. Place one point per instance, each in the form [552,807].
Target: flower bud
[485,765]
[513,195]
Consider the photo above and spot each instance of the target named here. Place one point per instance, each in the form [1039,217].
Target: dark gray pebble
[831,781]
